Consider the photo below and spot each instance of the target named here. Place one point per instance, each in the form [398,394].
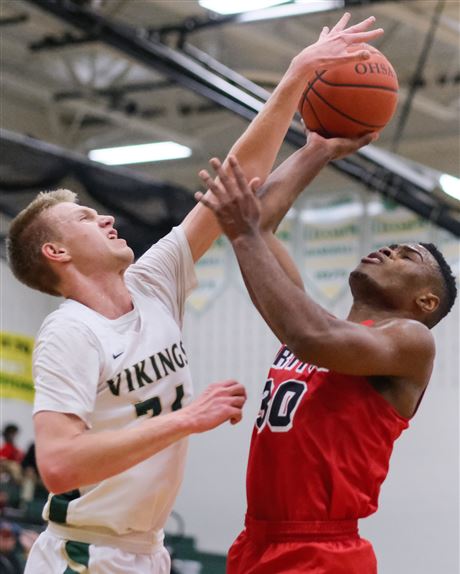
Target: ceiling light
[236,6]
[450,185]
[255,10]
[321,5]
[337,213]
[142,153]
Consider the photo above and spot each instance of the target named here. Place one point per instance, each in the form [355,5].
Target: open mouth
[375,258]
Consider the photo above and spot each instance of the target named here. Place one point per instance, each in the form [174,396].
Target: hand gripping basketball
[355,91]
[338,45]
[352,99]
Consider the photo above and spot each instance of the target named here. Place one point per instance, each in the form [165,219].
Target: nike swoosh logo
[115,356]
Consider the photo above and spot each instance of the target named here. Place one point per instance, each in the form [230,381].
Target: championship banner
[16,367]
[331,240]
[398,225]
[211,274]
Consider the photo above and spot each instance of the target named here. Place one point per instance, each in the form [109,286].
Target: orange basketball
[351,100]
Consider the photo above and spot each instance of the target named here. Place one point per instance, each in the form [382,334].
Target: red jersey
[321,445]
[10,452]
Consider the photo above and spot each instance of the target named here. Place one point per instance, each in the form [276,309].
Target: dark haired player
[339,392]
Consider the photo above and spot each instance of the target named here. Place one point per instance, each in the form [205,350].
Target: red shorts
[301,547]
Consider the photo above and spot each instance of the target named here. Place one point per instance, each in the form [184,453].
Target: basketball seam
[313,82]
[326,132]
[357,85]
[346,115]
[305,99]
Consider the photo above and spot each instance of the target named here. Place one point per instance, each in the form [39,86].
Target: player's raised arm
[400,347]
[257,148]
[286,183]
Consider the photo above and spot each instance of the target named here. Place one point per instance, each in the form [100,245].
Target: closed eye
[411,254]
[87,215]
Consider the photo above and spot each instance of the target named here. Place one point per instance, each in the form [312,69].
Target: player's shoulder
[408,332]
[70,317]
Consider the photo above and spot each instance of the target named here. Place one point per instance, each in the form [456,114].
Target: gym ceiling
[84,74]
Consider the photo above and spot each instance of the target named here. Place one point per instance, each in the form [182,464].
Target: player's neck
[363,311]
[105,294]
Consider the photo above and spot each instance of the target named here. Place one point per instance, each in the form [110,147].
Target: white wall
[22,312]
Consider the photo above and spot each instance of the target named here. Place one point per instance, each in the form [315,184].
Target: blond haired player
[113,402]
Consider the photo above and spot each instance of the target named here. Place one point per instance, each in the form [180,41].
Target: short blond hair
[29,230]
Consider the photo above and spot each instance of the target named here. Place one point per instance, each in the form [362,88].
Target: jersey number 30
[278,410]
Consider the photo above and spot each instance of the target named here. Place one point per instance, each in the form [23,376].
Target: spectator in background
[15,544]
[10,456]
[9,450]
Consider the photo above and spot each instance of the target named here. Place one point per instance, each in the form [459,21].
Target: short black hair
[8,430]
[448,277]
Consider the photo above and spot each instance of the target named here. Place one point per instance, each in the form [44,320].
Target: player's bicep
[397,349]
[53,434]
[51,427]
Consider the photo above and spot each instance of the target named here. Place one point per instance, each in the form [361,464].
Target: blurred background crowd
[22,496]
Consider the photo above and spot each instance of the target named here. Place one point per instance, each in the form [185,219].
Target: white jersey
[114,374]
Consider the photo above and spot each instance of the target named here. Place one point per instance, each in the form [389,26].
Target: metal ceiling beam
[408,15]
[171,63]
[193,75]
[71,158]
[288,10]
[93,108]
[170,202]
[14,20]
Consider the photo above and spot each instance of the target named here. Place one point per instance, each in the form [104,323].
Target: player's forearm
[287,182]
[88,457]
[256,151]
[258,147]
[292,315]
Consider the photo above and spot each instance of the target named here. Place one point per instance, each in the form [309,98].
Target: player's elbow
[300,344]
[309,345]
[57,474]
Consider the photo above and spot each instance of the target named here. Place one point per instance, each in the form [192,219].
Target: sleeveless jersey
[321,445]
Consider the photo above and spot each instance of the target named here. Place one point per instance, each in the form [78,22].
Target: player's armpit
[394,348]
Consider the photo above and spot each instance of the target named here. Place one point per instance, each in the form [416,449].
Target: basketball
[351,100]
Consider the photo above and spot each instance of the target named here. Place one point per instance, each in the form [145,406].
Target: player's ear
[55,252]
[428,302]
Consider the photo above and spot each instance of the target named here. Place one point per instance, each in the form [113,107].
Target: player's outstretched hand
[341,147]
[232,198]
[338,45]
[220,402]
